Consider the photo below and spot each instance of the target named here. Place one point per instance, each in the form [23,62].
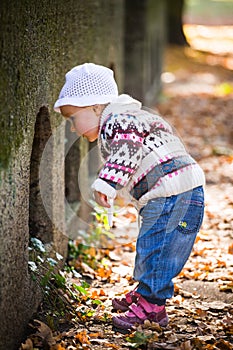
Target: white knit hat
[87,85]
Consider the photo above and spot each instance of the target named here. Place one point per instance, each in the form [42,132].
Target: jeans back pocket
[194,213]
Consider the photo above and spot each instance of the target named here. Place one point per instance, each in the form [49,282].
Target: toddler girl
[144,158]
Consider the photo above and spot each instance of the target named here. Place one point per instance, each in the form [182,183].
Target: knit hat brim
[84,101]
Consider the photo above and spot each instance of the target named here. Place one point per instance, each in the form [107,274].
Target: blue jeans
[165,241]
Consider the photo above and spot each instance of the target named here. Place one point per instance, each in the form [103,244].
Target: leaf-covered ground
[197,100]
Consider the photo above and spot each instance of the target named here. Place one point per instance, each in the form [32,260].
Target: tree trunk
[175,31]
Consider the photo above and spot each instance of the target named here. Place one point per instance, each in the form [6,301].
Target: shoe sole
[127,326]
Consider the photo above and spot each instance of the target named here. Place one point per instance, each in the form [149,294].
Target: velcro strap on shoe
[148,307]
[129,296]
[145,305]
[138,311]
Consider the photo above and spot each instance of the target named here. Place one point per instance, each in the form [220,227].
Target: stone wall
[40,41]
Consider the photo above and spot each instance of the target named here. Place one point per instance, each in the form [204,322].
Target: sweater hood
[126,100]
[121,103]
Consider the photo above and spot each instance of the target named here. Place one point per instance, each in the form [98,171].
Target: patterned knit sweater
[142,155]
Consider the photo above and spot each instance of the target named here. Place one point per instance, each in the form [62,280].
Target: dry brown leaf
[217,305]
[115,256]
[43,332]
[186,345]
[201,313]
[223,345]
[88,270]
[28,345]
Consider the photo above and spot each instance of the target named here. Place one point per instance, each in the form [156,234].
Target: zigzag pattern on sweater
[127,139]
[122,164]
[122,139]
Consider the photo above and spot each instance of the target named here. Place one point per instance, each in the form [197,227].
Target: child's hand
[101,199]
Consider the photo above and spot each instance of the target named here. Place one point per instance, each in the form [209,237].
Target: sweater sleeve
[123,137]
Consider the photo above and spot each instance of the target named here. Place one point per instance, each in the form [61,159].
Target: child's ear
[98,109]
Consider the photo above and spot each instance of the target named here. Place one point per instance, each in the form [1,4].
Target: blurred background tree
[175,33]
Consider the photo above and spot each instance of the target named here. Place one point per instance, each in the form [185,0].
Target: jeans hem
[156,301]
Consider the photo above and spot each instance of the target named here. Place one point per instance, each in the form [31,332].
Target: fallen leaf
[186,345]
[217,305]
[96,335]
[230,249]
[224,345]
[43,332]
[28,345]
[82,337]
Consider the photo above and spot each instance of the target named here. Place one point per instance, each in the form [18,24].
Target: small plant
[42,266]
[64,291]
[99,230]
[92,245]
[60,293]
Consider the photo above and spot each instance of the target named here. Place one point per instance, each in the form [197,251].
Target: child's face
[84,121]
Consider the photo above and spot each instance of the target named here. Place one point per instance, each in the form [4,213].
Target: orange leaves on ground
[96,335]
[230,159]
[58,347]
[131,216]
[230,249]
[104,272]
[98,294]
[91,251]
[82,337]
[131,246]
[111,345]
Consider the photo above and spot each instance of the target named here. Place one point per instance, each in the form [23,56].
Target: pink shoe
[140,312]
[124,303]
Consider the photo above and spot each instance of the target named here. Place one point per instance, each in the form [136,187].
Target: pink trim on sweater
[132,137]
[120,167]
[161,160]
[113,179]
[143,175]
[174,173]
